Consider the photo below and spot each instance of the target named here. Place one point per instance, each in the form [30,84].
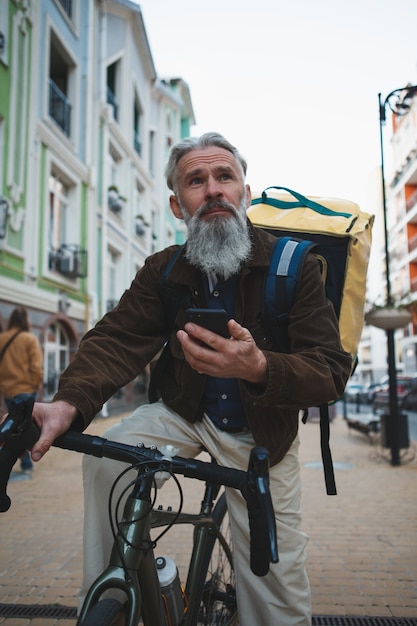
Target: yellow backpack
[340,235]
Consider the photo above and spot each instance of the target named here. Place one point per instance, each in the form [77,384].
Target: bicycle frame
[132,563]
[204,528]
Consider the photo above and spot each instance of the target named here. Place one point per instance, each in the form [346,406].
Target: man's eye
[225,177]
[195,181]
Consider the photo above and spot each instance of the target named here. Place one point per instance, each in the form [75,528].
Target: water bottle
[171,589]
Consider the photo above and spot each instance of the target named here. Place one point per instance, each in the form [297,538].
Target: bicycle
[209,595]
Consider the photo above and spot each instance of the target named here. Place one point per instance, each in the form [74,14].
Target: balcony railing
[59,107]
[412,243]
[112,100]
[69,260]
[412,200]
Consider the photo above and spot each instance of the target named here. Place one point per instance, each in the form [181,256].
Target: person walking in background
[21,363]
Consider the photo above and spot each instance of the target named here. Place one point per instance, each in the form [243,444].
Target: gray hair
[194,143]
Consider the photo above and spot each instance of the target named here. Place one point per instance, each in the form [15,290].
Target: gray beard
[221,244]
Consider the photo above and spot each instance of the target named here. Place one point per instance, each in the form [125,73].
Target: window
[141,223]
[60,80]
[152,152]
[168,130]
[112,80]
[114,278]
[115,196]
[57,356]
[58,213]
[65,254]
[137,112]
[4,27]
[67,6]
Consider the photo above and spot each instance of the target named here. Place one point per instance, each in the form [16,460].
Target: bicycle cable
[117,526]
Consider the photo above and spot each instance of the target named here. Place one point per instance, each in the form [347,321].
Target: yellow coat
[21,365]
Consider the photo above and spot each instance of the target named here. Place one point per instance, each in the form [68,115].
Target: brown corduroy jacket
[129,337]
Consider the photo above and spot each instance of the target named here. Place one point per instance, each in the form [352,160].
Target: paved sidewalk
[362,549]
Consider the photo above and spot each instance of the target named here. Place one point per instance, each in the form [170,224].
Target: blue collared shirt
[222,399]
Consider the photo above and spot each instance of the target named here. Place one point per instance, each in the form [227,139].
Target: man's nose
[213,189]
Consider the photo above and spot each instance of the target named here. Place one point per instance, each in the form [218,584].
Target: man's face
[204,176]
[212,198]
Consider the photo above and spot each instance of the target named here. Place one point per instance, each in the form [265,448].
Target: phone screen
[212,319]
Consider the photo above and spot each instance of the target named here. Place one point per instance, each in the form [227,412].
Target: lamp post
[398,101]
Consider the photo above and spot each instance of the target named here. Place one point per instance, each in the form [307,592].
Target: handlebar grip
[9,454]
[259,542]
[263,539]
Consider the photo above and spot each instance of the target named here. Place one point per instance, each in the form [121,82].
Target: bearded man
[221,394]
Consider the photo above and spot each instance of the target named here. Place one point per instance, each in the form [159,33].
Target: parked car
[409,401]
[381,397]
[369,392]
[353,391]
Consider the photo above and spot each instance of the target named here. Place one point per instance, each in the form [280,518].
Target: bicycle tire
[107,612]
[218,595]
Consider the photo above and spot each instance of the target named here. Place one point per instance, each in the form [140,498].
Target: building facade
[85,129]
[402,215]
[401,205]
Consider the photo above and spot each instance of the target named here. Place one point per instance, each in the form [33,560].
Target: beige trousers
[282,597]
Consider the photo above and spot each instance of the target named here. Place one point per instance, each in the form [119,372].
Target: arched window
[57,356]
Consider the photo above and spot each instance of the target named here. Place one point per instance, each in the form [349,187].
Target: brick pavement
[362,549]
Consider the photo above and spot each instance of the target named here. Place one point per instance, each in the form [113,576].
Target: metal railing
[59,107]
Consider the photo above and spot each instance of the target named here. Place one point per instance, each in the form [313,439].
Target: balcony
[412,201]
[140,225]
[69,260]
[59,108]
[115,200]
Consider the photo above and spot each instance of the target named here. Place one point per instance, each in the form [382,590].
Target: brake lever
[263,534]
[18,432]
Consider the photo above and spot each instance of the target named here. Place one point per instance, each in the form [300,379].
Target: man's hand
[53,419]
[237,357]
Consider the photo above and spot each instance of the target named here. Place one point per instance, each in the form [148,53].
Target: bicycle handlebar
[19,432]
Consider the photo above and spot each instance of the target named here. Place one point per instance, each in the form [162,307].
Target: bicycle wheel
[106,613]
[218,600]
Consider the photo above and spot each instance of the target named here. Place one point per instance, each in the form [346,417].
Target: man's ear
[175,207]
[248,196]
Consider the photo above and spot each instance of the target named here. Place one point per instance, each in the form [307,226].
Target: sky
[292,83]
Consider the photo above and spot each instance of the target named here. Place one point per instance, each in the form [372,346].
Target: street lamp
[398,101]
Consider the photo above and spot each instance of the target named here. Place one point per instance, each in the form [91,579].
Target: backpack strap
[285,269]
[9,342]
[171,262]
[171,299]
[326,454]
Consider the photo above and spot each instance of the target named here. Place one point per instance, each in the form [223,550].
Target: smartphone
[212,319]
